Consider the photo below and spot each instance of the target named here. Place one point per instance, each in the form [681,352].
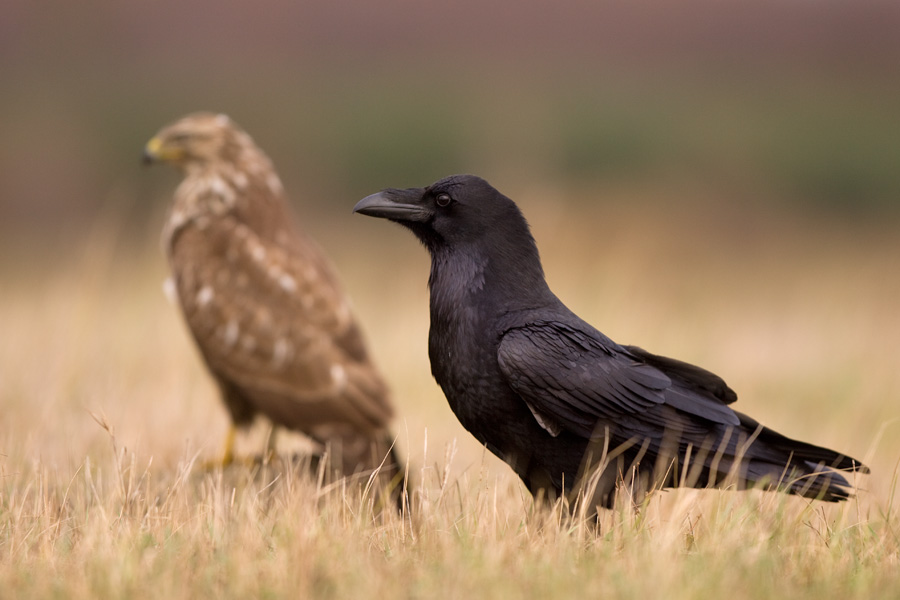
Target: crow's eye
[442,200]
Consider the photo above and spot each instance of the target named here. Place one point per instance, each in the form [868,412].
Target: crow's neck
[475,283]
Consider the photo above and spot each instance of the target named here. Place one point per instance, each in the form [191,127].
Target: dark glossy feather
[557,399]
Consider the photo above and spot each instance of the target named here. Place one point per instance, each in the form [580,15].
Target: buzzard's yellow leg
[271,444]
[228,454]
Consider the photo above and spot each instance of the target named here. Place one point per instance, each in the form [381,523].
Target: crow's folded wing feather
[571,379]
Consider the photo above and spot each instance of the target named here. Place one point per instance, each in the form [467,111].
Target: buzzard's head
[197,140]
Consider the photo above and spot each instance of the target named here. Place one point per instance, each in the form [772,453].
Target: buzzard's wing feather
[270,319]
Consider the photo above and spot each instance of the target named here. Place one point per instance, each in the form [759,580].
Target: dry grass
[106,413]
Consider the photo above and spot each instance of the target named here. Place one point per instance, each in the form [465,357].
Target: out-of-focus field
[712,181]
[797,312]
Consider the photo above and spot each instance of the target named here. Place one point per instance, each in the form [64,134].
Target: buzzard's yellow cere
[261,300]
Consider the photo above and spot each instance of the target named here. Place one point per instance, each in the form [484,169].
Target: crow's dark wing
[570,379]
[696,379]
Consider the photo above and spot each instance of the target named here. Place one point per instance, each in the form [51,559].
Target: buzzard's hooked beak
[396,205]
[156,151]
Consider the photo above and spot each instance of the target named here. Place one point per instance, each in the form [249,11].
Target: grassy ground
[107,414]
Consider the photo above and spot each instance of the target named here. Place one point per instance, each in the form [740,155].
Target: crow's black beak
[396,205]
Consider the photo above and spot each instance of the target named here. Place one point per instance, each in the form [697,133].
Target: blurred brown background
[718,181]
[713,180]
[793,102]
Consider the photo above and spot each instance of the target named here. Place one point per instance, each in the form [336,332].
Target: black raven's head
[455,211]
[474,231]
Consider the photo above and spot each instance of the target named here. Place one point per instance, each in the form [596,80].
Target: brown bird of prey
[263,302]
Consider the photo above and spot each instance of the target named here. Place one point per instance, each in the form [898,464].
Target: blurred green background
[794,103]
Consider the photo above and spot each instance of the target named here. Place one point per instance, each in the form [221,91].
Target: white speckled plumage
[261,300]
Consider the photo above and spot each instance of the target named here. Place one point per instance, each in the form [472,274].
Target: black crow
[571,411]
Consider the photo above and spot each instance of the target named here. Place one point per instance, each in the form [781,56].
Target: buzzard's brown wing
[273,325]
